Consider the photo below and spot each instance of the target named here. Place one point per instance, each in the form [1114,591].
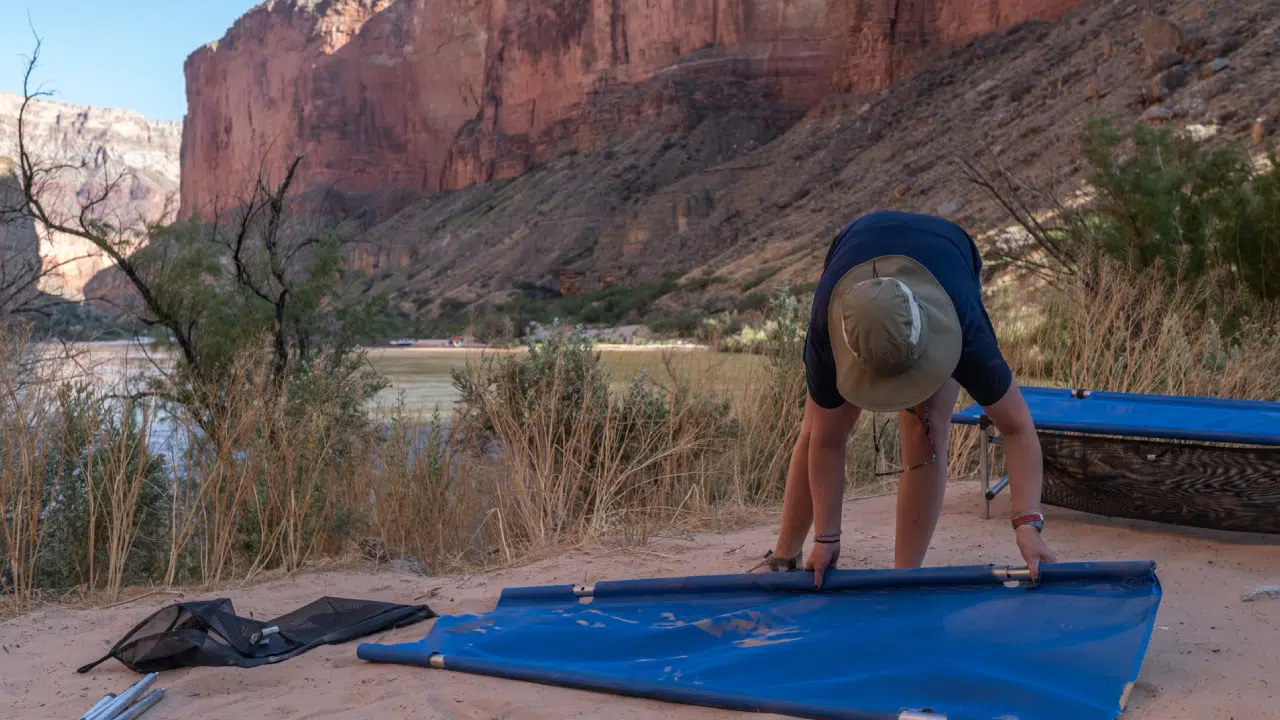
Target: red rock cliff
[426,95]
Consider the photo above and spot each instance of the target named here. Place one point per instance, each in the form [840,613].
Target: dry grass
[422,497]
[1137,333]
[56,448]
[123,473]
[1140,333]
[29,429]
[544,455]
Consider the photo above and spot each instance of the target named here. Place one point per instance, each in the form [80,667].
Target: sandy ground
[1212,657]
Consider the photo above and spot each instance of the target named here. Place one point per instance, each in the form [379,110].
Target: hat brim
[941,332]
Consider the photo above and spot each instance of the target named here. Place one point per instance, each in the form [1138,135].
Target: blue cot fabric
[1168,417]
[953,641]
[947,252]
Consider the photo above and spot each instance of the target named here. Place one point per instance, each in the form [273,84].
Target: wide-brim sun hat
[895,335]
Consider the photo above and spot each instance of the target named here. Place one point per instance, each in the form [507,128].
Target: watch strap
[1035,520]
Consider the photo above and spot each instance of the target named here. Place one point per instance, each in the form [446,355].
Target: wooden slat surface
[1214,487]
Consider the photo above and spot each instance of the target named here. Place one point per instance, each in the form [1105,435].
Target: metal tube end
[113,708]
[263,634]
[436,662]
[1006,573]
[142,705]
[584,590]
[98,706]
[997,488]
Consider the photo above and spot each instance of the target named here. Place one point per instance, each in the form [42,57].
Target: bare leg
[797,500]
[921,491]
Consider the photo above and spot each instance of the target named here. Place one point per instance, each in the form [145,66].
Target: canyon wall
[423,96]
[90,144]
[19,246]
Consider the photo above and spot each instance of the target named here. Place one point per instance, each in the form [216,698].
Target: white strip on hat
[915,311]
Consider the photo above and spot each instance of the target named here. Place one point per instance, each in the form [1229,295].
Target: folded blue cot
[1204,462]
[949,643]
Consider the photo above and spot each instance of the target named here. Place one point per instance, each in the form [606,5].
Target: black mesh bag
[210,634]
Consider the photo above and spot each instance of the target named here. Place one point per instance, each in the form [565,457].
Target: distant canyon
[91,144]
[383,95]
[494,148]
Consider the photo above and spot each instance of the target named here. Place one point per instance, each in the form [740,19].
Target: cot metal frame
[987,438]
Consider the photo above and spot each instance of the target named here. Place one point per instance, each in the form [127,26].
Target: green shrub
[782,333]
[589,451]
[1195,211]
[565,370]
[96,436]
[682,324]
[759,279]
[753,301]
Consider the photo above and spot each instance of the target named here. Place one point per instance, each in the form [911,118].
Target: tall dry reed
[1138,332]
[214,477]
[116,486]
[419,496]
[28,434]
[564,457]
[544,449]
[1142,333]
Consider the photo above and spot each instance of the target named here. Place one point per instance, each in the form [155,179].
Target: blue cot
[1132,415]
[953,643]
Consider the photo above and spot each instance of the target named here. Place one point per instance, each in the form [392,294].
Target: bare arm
[828,435]
[1026,472]
[1021,449]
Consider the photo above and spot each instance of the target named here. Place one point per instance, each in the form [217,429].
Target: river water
[421,375]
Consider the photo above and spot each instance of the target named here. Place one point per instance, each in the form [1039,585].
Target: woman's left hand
[822,557]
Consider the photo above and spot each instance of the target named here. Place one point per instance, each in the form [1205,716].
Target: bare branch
[1047,233]
[254,253]
[89,225]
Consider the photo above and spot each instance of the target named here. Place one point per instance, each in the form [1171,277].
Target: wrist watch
[1035,520]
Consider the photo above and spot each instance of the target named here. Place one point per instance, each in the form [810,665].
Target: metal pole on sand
[98,705]
[123,705]
[142,706]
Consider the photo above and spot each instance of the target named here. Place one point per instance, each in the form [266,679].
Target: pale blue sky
[112,53]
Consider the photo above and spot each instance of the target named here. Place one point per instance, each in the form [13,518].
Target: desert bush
[1153,198]
[785,320]
[83,496]
[610,305]
[1175,246]
[421,504]
[564,369]
[1198,213]
[1144,332]
[107,522]
[574,455]
[753,301]
[267,470]
[682,323]
[1164,278]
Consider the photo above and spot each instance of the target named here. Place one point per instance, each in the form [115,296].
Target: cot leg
[993,492]
[985,470]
